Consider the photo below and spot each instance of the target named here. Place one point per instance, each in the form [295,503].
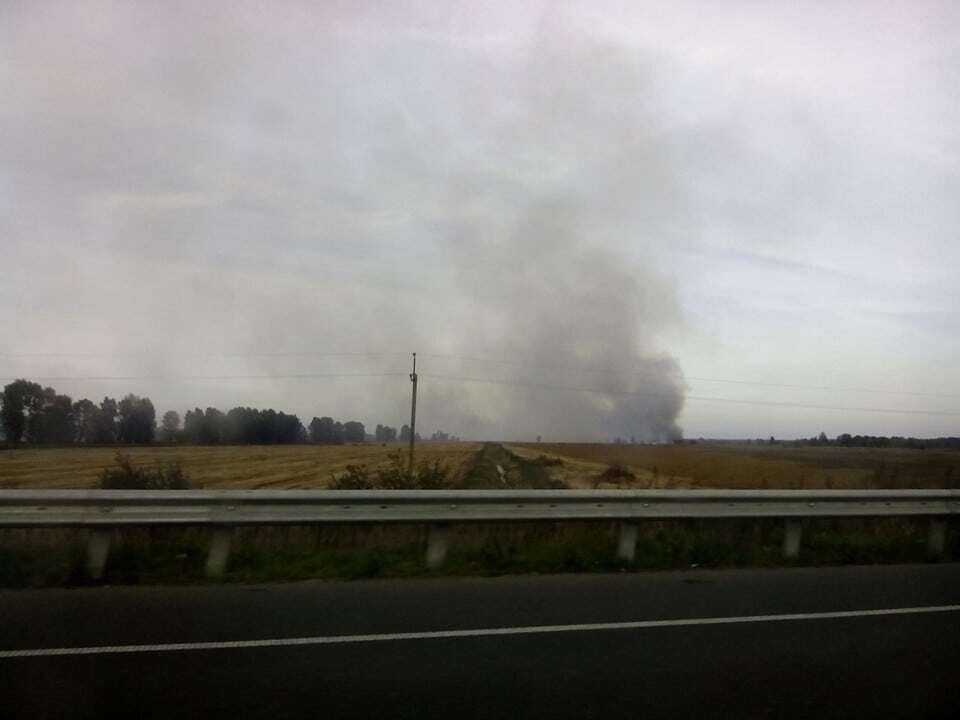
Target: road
[778,643]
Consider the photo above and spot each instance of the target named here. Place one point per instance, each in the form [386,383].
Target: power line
[449,356]
[768,403]
[178,378]
[202,355]
[641,373]
[491,381]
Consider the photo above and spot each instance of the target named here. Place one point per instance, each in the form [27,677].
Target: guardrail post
[219,552]
[627,542]
[437,538]
[98,547]
[792,532]
[936,536]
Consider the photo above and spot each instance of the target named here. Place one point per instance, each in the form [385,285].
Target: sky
[589,220]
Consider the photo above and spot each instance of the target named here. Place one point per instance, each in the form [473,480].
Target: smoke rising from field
[553,293]
[576,328]
[315,182]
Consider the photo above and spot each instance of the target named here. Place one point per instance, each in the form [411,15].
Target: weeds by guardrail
[102,512]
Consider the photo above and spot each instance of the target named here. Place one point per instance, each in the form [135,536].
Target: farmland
[55,556]
[241,467]
[749,466]
[571,465]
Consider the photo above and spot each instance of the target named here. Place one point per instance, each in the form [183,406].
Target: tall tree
[193,425]
[51,419]
[316,430]
[212,427]
[137,420]
[107,422]
[323,430]
[86,418]
[171,425]
[19,398]
[354,431]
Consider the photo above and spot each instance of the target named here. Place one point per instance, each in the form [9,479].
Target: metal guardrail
[102,510]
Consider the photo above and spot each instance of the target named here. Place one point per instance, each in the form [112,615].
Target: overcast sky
[716,215]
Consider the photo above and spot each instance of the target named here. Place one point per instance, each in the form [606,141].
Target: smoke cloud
[191,194]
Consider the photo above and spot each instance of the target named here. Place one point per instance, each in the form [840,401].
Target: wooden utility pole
[413,413]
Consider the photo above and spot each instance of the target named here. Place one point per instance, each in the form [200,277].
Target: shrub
[127,476]
[355,478]
[394,476]
[615,473]
[432,476]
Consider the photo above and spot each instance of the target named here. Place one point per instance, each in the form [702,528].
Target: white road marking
[480,632]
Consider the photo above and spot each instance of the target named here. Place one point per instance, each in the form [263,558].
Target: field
[246,466]
[575,465]
[750,466]
[55,557]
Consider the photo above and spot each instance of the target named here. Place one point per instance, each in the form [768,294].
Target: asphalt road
[543,647]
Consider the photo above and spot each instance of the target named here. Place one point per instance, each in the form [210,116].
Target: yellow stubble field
[242,466]
[751,466]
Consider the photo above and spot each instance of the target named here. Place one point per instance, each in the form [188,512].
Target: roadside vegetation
[51,558]
[127,476]
[48,557]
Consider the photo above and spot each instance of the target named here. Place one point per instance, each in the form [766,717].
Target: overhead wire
[493,361]
[495,381]
[642,373]
[178,378]
[645,393]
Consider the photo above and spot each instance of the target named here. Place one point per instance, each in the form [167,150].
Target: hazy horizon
[730,221]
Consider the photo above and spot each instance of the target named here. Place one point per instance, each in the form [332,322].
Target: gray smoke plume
[569,329]
[269,181]
[572,319]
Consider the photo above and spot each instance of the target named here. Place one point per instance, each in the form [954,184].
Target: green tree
[85,418]
[51,419]
[107,422]
[170,425]
[137,420]
[354,431]
[19,398]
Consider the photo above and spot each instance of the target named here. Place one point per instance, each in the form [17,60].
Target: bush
[126,476]
[432,476]
[355,478]
[394,476]
[615,473]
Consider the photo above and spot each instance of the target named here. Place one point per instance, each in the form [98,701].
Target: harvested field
[243,466]
[750,466]
[573,465]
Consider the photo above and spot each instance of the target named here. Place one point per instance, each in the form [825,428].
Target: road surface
[813,642]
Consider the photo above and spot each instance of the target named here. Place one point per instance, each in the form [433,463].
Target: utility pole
[413,413]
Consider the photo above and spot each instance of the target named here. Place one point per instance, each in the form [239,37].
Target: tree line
[868,441]
[884,441]
[39,415]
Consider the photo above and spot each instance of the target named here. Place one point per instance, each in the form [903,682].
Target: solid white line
[480,632]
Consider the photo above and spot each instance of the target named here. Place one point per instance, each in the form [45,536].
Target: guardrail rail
[101,511]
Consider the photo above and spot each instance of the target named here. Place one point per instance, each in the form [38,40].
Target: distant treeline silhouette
[36,415]
[883,441]
[868,441]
